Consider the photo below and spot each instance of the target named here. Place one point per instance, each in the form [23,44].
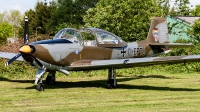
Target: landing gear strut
[111,82]
[39,75]
[50,79]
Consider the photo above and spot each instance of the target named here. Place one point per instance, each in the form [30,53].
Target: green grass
[135,93]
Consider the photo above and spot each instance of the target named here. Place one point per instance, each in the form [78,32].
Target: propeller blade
[12,59]
[37,61]
[26,30]
[24,49]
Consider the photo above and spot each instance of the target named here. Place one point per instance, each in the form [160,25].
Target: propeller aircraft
[68,51]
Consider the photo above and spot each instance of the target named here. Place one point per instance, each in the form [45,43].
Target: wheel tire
[49,81]
[40,87]
[111,84]
[52,82]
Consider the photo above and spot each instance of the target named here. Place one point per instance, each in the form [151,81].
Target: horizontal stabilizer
[171,45]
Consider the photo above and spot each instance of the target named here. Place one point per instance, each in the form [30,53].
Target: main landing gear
[111,82]
[50,79]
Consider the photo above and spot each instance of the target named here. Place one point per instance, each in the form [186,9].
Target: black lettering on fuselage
[139,51]
[131,52]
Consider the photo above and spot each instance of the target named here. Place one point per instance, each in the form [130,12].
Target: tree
[172,12]
[196,11]
[174,7]
[128,19]
[165,6]
[32,23]
[182,8]
[5,31]
[195,30]
[39,17]
[43,15]
[68,13]
[13,17]
[1,17]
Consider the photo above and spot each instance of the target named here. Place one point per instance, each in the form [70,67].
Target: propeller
[25,49]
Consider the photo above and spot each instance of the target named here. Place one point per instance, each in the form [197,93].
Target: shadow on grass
[147,76]
[102,84]
[4,79]
[146,87]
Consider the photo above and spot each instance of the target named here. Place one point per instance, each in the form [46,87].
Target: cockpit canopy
[70,34]
[100,37]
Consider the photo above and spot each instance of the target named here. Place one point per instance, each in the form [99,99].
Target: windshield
[69,34]
[58,34]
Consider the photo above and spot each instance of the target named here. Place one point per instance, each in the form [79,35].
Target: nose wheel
[40,87]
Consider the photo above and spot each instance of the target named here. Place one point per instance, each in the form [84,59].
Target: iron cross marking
[123,52]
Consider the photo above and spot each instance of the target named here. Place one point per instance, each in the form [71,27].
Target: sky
[24,5]
[21,5]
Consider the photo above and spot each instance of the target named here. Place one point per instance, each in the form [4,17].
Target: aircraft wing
[8,55]
[172,45]
[132,62]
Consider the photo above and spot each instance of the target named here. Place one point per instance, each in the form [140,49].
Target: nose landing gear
[50,79]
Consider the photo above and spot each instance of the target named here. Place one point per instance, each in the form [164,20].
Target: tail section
[158,32]
[158,35]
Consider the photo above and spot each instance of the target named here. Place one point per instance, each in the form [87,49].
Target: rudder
[158,32]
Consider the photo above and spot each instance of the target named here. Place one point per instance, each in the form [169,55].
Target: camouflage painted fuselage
[68,49]
[64,54]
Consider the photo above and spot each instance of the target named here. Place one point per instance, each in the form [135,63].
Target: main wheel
[40,87]
[111,84]
[50,81]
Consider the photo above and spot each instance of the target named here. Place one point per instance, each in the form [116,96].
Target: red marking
[155,29]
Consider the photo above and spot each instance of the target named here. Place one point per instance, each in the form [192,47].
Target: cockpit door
[106,39]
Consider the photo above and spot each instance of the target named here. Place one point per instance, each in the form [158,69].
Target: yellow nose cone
[25,49]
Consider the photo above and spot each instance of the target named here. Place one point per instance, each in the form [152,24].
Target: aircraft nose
[25,49]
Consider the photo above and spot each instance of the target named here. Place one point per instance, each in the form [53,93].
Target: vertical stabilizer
[158,31]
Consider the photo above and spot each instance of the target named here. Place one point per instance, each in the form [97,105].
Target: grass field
[135,93]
